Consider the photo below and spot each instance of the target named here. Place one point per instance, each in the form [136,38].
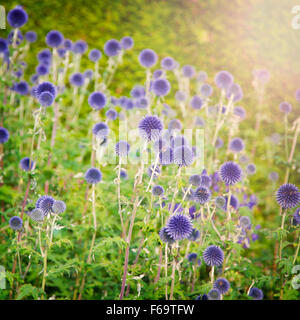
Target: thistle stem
[282,228]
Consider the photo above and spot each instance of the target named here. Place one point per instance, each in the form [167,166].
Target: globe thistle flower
[111,114]
[179,227]
[22,88]
[256,294]
[213,256]
[180,96]
[202,195]
[79,47]
[158,74]
[205,181]
[123,174]
[147,58]
[93,176]
[158,190]
[188,71]
[17,17]
[101,130]
[161,87]
[220,202]
[26,164]
[183,156]
[175,124]
[37,215]
[59,206]
[214,294]
[97,100]
[77,79]
[245,222]
[127,43]
[88,74]
[179,141]
[44,56]
[153,170]
[160,145]
[10,38]
[68,44]
[150,127]
[122,148]
[16,223]
[129,104]
[251,168]
[196,102]
[205,297]
[3,45]
[195,180]
[142,103]
[219,143]
[4,135]
[168,63]
[234,202]
[296,217]
[223,79]
[195,235]
[285,107]
[222,285]
[192,257]
[288,196]
[235,91]
[42,70]
[239,112]
[236,145]
[138,91]
[206,90]
[54,39]
[166,157]
[112,47]
[165,236]
[44,87]
[45,203]
[95,55]
[46,99]
[230,173]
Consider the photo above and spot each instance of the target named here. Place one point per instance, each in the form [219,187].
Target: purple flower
[256,293]
[3,45]
[234,202]
[222,285]
[194,235]
[95,55]
[195,180]
[111,114]
[42,70]
[17,17]
[165,236]
[175,124]
[46,99]
[54,39]
[251,168]
[26,164]
[230,173]
[22,88]
[45,203]
[213,256]
[296,217]
[161,87]
[138,91]
[97,100]
[112,47]
[77,79]
[202,195]
[240,112]
[79,47]
[4,135]
[150,127]
[68,44]
[179,227]
[285,107]
[122,148]
[127,43]
[196,102]
[192,257]
[202,76]
[219,143]
[236,145]
[235,91]
[168,63]
[224,79]
[59,206]
[188,71]
[288,196]
[183,156]
[206,90]
[158,190]
[147,58]
[214,294]
[93,176]
[16,223]
[166,157]
[31,36]
[101,130]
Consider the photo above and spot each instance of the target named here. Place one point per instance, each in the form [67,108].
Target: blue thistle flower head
[175,124]
[179,227]
[148,58]
[3,45]
[26,164]
[153,170]
[88,74]
[77,79]
[68,44]
[16,223]
[161,87]
[158,190]
[122,148]
[101,130]
[54,39]
[219,143]
[97,100]
[205,297]
[235,91]
[138,91]
[158,74]
[223,79]
[44,55]
[195,235]
[95,55]
[17,17]
[42,69]
[195,180]
[214,294]
[251,168]
[239,112]
[80,47]
[236,145]
[59,206]
[111,114]
[112,47]
[285,107]
[44,87]
[206,181]
[220,202]
[192,257]
[4,135]
[234,202]
[288,196]
[168,63]
[123,174]
[230,173]
[93,176]
[256,294]
[46,99]
[183,156]
[213,256]
[45,203]
[150,128]
[245,222]
[127,43]
[296,217]
[165,236]
[166,156]
[196,102]
[202,76]
[206,90]
[22,88]
[10,37]
[37,215]
[188,71]
[202,195]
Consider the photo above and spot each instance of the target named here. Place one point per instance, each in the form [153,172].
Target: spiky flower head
[150,127]
[206,90]
[127,43]
[22,88]
[195,180]
[179,227]
[205,181]
[93,176]
[251,168]
[168,63]
[148,58]
[3,45]
[122,148]
[214,294]
[175,124]
[138,91]
[222,285]
[296,217]
[123,174]
[202,195]
[44,87]
[111,114]
[80,47]
[45,203]
[256,294]
[158,190]
[230,173]
[213,256]
[17,17]
[192,257]
[188,71]
[37,215]
[95,55]
[234,202]
[235,92]
[195,235]
[288,196]
[273,176]
[112,47]
[236,145]
[153,170]
[165,236]
[59,206]
[4,135]
[220,202]
[239,112]
[54,39]
[183,156]
[245,222]
[77,79]
[161,87]
[285,107]
[26,164]
[97,100]
[101,130]
[31,36]
[16,223]
[196,102]
[223,79]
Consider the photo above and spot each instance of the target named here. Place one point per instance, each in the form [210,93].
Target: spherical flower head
[153,170]
[297,95]
[42,69]
[174,124]
[180,96]
[150,128]
[97,100]
[202,76]
[296,217]
[26,164]
[88,74]
[179,227]
[245,222]
[44,87]
[168,63]
[80,47]
[77,79]
[195,235]
[142,103]
[161,87]
[230,173]
[285,107]
[223,79]
[251,168]
[235,92]
[158,190]
[148,58]
[234,202]
[54,39]
[138,91]
[10,38]
[123,174]
[222,285]
[17,17]
[192,257]
[4,135]
[188,71]
[68,44]
[206,90]
[112,47]
[288,196]
[127,43]
[214,294]
[183,156]
[95,55]
[22,88]
[202,195]
[3,45]
[61,53]
[37,215]
[93,176]
[122,148]
[101,130]
[45,203]
[273,176]
[128,104]
[196,102]
[44,56]
[205,181]
[111,114]
[165,236]
[236,145]
[219,143]
[16,223]
[166,157]
[256,293]
[46,99]
[213,256]
[239,112]
[59,206]
[195,180]
[160,145]
[220,202]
